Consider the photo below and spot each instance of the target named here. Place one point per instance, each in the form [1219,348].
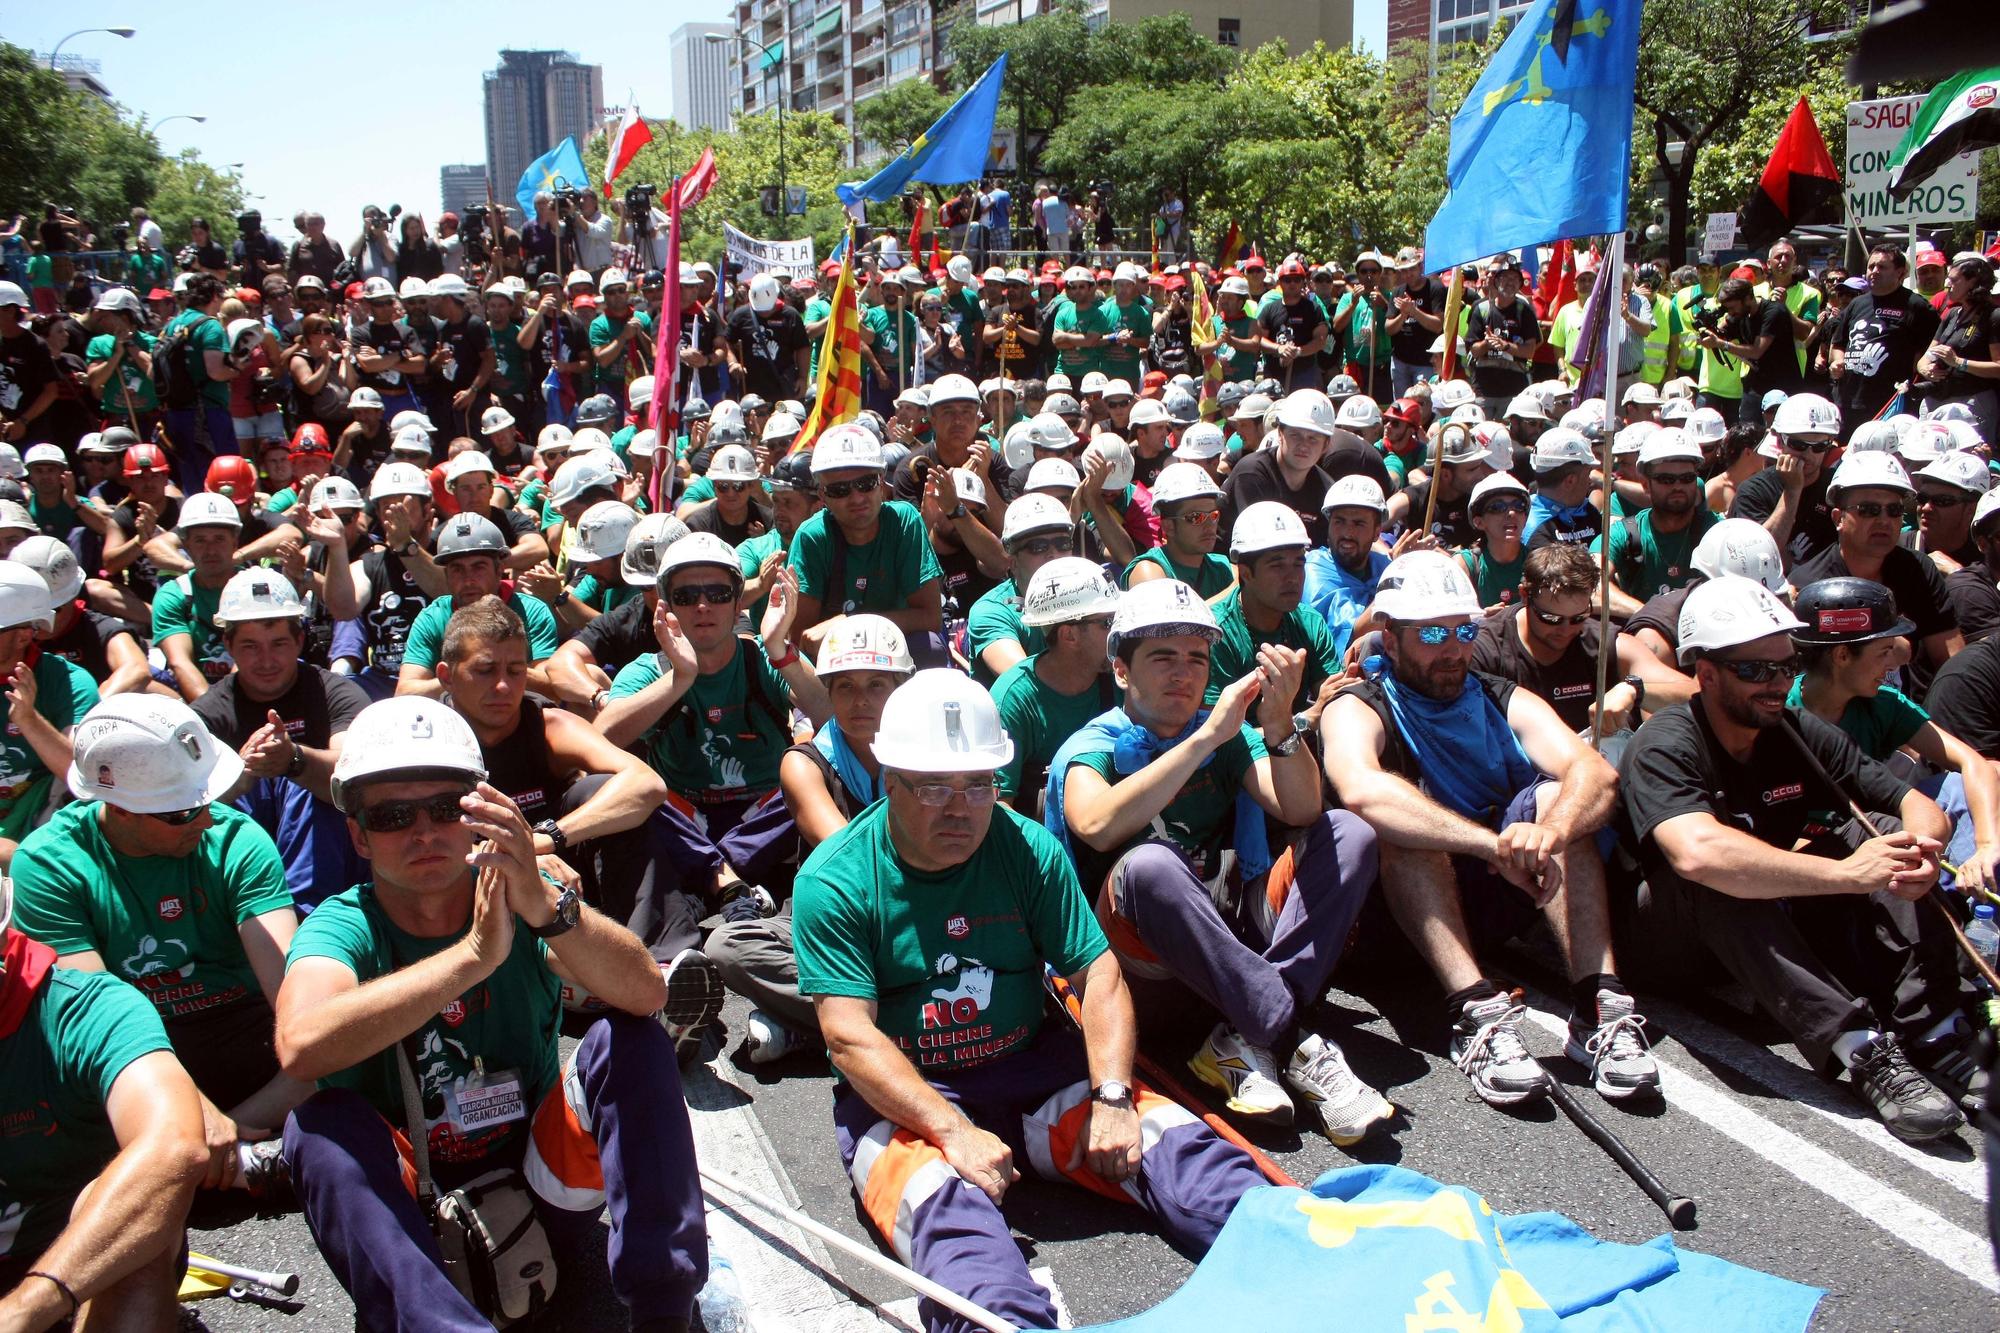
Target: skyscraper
[533,101]
[699,70]
[464,185]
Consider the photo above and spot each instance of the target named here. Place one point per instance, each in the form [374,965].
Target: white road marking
[1917,1226]
[1044,1275]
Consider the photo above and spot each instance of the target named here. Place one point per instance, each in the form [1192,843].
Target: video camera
[472,233]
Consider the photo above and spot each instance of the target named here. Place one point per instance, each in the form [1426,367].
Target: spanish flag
[837,397]
[1231,247]
[1201,329]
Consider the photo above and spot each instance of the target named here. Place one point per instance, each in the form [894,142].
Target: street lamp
[199,120]
[84,32]
[784,193]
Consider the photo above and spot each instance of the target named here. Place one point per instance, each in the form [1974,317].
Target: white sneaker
[1247,1075]
[1614,1049]
[1348,1108]
[1486,1043]
[694,998]
[768,1041]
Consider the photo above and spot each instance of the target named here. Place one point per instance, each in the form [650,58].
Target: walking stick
[1680,1211]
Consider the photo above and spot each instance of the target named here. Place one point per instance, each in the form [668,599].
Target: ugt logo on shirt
[171,907]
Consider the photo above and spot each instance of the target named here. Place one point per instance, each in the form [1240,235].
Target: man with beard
[1268,548]
[1748,848]
[1459,464]
[1509,797]
[1878,336]
[1561,510]
[1341,576]
[1653,551]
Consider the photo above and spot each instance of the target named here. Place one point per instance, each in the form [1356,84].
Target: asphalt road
[1790,1174]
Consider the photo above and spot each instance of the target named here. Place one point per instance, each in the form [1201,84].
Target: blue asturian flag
[957,148]
[1542,148]
[559,168]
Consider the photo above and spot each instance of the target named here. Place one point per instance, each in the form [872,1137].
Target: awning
[827,23]
[773,56]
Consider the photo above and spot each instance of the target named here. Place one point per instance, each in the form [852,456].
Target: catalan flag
[837,398]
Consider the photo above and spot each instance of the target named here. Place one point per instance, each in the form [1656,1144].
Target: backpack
[173,368]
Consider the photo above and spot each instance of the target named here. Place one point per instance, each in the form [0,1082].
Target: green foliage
[187,187]
[1727,173]
[900,114]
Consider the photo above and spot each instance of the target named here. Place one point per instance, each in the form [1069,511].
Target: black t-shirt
[1975,600]
[1965,697]
[87,642]
[1018,359]
[1494,374]
[1662,614]
[468,341]
[142,575]
[1579,531]
[1568,684]
[521,766]
[621,635]
[1412,342]
[395,599]
[1347,454]
[1676,766]
[768,345]
[1881,337]
[513,524]
[707,517]
[1812,524]
[1295,324]
[392,340]
[964,582]
[1258,478]
[1778,368]
[1452,526]
[318,707]
[904,484]
[1920,595]
[1972,334]
[258,256]
[25,370]
[422,334]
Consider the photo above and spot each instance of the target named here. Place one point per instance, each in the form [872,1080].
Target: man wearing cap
[888,345]
[1039,529]
[387,352]
[615,331]
[1130,315]
[1653,551]
[1420,300]
[1012,329]
[184,626]
[1149,798]
[1975,589]
[955,443]
[1487,807]
[285,720]
[470,551]
[45,698]
[923,928]
[1187,501]
[767,343]
[463,361]
[471,478]
[1878,336]
[1367,324]
[1084,325]
[1501,333]
[119,358]
[1268,548]
[452,958]
[1341,575]
[1868,493]
[1295,327]
[146,878]
[1749,851]
[52,497]
[1949,489]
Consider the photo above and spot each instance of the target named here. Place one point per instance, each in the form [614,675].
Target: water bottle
[721,1298]
[1984,933]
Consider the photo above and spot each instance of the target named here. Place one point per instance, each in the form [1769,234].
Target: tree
[896,117]
[187,187]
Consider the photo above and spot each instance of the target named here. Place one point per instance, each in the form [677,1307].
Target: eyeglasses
[1203,517]
[1676,478]
[1551,618]
[715,594]
[181,818]
[839,490]
[978,795]
[1810,446]
[1097,622]
[731,487]
[1872,509]
[1061,545]
[1433,635]
[1944,499]
[1759,671]
[395,816]
[1504,507]
[1369,272]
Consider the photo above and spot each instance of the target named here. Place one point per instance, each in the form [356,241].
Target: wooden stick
[1614,313]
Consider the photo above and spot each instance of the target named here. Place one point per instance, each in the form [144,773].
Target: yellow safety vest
[1654,369]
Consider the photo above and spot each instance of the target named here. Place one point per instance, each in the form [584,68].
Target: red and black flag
[1800,184]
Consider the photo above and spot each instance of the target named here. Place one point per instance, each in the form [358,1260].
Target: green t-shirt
[1091,317]
[1356,336]
[1881,725]
[602,597]
[1200,820]
[41,271]
[182,606]
[282,502]
[603,332]
[716,744]
[1208,578]
[507,1023]
[208,336]
[1137,319]
[952,959]
[996,617]
[1039,720]
[80,1032]
[1235,653]
[895,342]
[1498,584]
[750,558]
[817,309]
[700,490]
[881,576]
[1238,366]
[56,520]
[1656,563]
[427,633]
[510,366]
[138,384]
[167,924]
[64,692]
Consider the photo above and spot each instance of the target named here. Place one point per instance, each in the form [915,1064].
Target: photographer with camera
[1759,335]
[256,253]
[373,254]
[202,253]
[592,231]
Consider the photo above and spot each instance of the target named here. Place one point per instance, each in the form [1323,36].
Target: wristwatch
[569,907]
[551,830]
[1112,1093]
[1638,692]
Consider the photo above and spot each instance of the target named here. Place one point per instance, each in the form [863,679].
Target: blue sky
[399,93]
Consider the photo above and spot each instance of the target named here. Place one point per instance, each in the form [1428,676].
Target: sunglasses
[395,816]
[1203,517]
[1872,509]
[731,487]
[1758,671]
[1504,507]
[715,594]
[1811,446]
[1062,545]
[1433,635]
[840,490]
[1551,618]
[1676,478]
[978,795]
[181,818]
[1944,500]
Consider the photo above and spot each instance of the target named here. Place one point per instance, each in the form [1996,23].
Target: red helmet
[144,458]
[311,439]
[234,476]
[1405,409]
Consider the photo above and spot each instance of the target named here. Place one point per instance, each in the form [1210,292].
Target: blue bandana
[1470,758]
[832,743]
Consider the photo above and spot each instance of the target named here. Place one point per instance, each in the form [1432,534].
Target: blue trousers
[200,434]
[312,839]
[621,1092]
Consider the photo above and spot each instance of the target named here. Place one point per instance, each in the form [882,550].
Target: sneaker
[1615,1049]
[768,1041]
[694,998]
[1348,1108]
[1486,1043]
[747,902]
[1247,1075]
[1952,1062]
[262,1170]
[1909,1105]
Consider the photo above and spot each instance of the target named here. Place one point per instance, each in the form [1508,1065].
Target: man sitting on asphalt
[1038,530]
[1189,505]
[1152,797]
[1790,497]
[104,1148]
[580,673]
[46,696]
[1290,473]
[1562,510]
[923,928]
[106,649]
[285,719]
[387,588]
[1653,551]
[1341,575]
[1474,786]
[1268,546]
[449,964]
[471,549]
[147,878]
[1748,850]
[1046,698]
[184,628]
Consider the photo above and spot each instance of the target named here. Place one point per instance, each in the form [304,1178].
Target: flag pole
[1613,272]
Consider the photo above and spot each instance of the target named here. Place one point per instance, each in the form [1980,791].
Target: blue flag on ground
[955,149]
[1389,1249]
[1542,147]
[560,167]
